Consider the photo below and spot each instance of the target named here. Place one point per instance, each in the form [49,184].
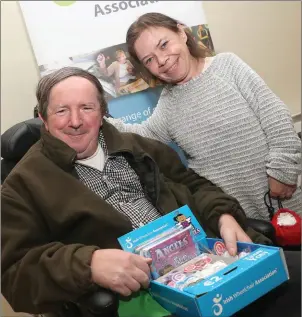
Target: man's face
[74,115]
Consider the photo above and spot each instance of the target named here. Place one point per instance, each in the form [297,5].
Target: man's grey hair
[47,82]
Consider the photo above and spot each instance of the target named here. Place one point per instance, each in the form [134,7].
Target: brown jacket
[52,223]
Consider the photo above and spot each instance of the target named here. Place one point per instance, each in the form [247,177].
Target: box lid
[180,217]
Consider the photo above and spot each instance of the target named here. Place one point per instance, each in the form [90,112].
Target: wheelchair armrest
[103,303]
[264,227]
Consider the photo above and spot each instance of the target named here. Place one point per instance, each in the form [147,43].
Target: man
[82,186]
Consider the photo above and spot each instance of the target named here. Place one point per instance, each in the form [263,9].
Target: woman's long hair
[149,20]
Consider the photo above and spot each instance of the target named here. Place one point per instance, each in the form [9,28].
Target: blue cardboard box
[224,292]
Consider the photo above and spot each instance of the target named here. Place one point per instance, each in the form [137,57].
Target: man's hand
[231,232]
[280,190]
[120,271]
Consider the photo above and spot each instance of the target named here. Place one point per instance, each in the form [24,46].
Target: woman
[121,69]
[234,130]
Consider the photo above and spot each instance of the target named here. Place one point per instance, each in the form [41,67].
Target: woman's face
[122,58]
[164,53]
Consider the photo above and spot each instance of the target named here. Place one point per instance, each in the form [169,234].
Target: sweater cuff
[288,179]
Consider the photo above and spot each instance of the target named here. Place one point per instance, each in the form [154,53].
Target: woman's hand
[231,232]
[280,190]
[130,69]
[101,60]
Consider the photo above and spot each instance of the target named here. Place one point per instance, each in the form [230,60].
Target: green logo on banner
[64,3]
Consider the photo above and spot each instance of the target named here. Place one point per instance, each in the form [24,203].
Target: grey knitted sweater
[234,130]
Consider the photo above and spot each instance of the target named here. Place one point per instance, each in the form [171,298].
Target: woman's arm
[107,71]
[284,159]
[155,127]
[113,69]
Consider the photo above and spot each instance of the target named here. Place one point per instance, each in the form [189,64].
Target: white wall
[19,73]
[266,34]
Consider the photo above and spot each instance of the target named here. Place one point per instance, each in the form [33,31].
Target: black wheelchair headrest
[17,140]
